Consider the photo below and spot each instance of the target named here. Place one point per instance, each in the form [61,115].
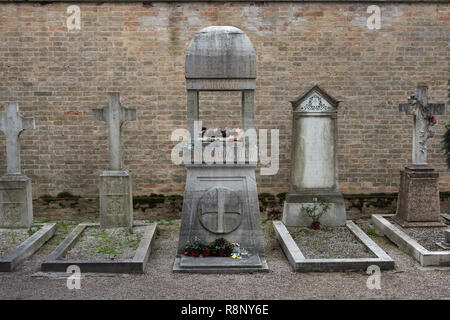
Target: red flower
[431,118]
[186,253]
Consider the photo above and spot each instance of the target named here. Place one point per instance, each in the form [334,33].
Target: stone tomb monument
[116,200]
[16,206]
[418,202]
[220,199]
[314,161]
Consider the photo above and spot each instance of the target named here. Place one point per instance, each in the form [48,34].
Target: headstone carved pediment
[315,99]
[219,210]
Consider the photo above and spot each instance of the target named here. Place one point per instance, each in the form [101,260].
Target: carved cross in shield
[220,210]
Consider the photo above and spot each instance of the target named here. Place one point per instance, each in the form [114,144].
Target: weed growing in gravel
[43,220]
[13,237]
[33,230]
[65,225]
[107,250]
[372,233]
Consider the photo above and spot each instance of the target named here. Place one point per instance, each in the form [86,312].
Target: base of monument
[186,264]
[294,217]
[418,202]
[417,224]
[116,200]
[16,206]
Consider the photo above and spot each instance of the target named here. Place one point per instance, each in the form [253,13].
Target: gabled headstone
[313,161]
[16,206]
[116,200]
[418,202]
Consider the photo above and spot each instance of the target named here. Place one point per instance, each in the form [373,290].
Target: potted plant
[315,212]
[212,248]
[193,247]
[206,251]
[223,247]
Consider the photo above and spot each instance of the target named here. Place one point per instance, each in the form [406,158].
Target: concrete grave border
[409,245]
[301,264]
[27,248]
[138,264]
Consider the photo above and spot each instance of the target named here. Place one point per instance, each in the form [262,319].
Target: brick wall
[58,76]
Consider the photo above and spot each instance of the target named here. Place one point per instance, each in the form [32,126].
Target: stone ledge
[409,245]
[301,264]
[138,264]
[28,247]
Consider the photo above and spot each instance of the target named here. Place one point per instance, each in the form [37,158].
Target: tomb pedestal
[293,215]
[16,205]
[418,202]
[116,201]
[221,201]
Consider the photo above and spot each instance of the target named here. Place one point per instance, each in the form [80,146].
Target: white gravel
[427,237]
[329,243]
[10,239]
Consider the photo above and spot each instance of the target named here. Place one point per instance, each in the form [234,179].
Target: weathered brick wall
[58,76]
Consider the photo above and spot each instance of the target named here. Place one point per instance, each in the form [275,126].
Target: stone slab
[16,202]
[54,263]
[445,245]
[409,245]
[294,217]
[301,264]
[116,200]
[214,266]
[28,247]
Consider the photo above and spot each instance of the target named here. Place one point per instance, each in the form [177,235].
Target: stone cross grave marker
[419,107]
[12,124]
[16,207]
[418,202]
[114,115]
[116,201]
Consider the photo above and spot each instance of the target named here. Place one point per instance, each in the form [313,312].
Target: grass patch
[107,250]
[33,230]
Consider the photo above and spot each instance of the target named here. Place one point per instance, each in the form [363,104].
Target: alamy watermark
[374,280]
[74,280]
[213,146]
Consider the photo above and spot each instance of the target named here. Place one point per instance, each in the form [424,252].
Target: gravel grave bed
[96,244]
[11,238]
[329,243]
[426,237]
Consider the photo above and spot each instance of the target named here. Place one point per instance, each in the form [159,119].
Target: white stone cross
[114,115]
[419,107]
[12,124]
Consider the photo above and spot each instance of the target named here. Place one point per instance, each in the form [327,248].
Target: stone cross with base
[422,111]
[16,208]
[116,201]
[418,202]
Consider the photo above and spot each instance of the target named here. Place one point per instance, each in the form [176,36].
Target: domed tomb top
[220,52]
